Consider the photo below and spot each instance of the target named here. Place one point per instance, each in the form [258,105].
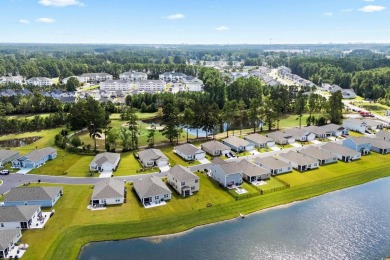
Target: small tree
[75,141]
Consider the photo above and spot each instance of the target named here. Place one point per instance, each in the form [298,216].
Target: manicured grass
[176,159]
[271,184]
[355,134]
[375,108]
[129,165]
[29,116]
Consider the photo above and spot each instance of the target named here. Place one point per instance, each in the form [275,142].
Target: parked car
[227,155]
[232,154]
[4,172]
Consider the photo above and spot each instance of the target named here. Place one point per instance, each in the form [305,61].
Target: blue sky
[195,21]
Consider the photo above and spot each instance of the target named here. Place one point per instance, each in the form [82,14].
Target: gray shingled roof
[151,154]
[7,236]
[250,169]
[218,160]
[380,143]
[318,130]
[17,213]
[271,162]
[5,154]
[339,149]
[259,139]
[332,127]
[300,159]
[236,141]
[215,146]
[188,149]
[231,167]
[384,135]
[32,193]
[278,135]
[296,132]
[182,173]
[360,140]
[317,153]
[101,158]
[150,186]
[38,154]
[108,188]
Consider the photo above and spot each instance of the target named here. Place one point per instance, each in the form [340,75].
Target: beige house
[183,180]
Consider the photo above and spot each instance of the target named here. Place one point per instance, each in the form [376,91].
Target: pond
[19,142]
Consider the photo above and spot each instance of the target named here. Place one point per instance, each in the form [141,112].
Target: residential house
[12,79]
[81,80]
[323,156]
[105,162]
[39,81]
[108,192]
[235,75]
[96,77]
[35,158]
[151,190]
[326,87]
[193,84]
[24,92]
[343,153]
[226,174]
[378,145]
[22,216]
[362,125]
[215,148]
[299,161]
[150,85]
[348,93]
[359,144]
[253,173]
[335,130]
[68,99]
[7,156]
[260,141]
[319,131]
[281,138]
[384,135]
[274,165]
[183,180]
[189,152]
[115,84]
[8,238]
[133,76]
[172,76]
[42,196]
[238,144]
[56,93]
[152,158]
[300,134]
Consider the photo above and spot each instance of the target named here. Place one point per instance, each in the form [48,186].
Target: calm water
[348,224]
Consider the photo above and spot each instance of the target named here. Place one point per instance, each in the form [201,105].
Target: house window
[166,196]
[183,183]
[196,181]
[156,198]
[193,188]
[2,224]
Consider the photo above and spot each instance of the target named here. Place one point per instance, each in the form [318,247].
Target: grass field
[375,108]
[73,225]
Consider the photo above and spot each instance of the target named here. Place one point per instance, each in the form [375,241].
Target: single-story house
[323,156]
[362,125]
[378,145]
[300,134]
[348,93]
[359,144]
[274,165]
[299,161]
[252,173]
[281,138]
[215,148]
[319,131]
[238,144]
[42,196]
[8,238]
[260,141]
[183,180]
[7,156]
[189,152]
[19,216]
[108,192]
[105,162]
[35,158]
[384,135]
[226,174]
[152,158]
[343,153]
[151,190]
[335,130]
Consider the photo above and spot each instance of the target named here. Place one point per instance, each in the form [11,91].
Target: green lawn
[176,159]
[129,165]
[28,116]
[355,134]
[375,108]
[271,184]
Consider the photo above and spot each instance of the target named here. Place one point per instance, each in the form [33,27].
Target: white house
[133,76]
[9,237]
[172,76]
[274,165]
[348,93]
[238,144]
[193,84]
[151,190]
[323,156]
[7,156]
[82,80]
[378,145]
[22,216]
[115,84]
[105,162]
[301,162]
[362,125]
[343,153]
[150,85]
[108,192]
[39,81]
[281,138]
[96,77]
[215,148]
[260,141]
[152,158]
[253,173]
[189,152]
[384,135]
[12,79]
[183,180]
[229,175]
[300,134]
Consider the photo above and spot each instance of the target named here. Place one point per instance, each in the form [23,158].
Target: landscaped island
[74,225]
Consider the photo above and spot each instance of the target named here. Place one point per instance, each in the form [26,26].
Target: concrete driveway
[105,174]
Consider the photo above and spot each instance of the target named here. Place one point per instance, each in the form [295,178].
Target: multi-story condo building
[40,81]
[133,76]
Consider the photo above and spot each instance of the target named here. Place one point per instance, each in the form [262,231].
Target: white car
[4,172]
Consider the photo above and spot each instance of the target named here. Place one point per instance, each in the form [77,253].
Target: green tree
[94,132]
[151,134]
[300,106]
[72,84]
[133,127]
[335,107]
[75,141]
[188,118]
[254,112]
[171,122]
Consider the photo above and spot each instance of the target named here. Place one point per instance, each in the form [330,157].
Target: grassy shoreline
[69,243]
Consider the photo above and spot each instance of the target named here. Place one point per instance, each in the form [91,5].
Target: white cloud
[24,21]
[369,0]
[372,8]
[328,14]
[60,3]
[175,17]
[222,28]
[45,20]
[348,10]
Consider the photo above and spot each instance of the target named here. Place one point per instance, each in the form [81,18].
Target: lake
[352,223]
